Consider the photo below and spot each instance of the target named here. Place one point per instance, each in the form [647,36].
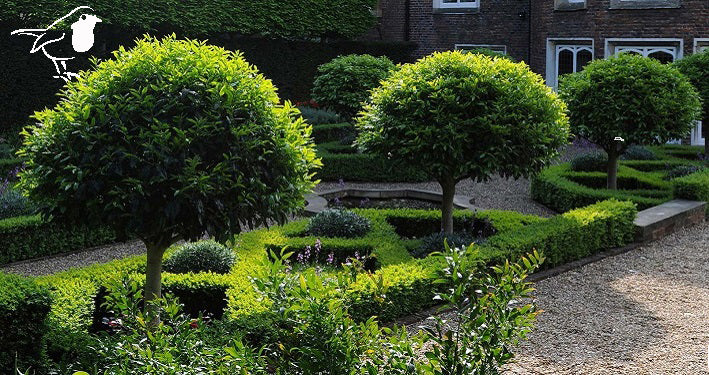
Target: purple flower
[331,258]
[341,182]
[318,246]
[300,258]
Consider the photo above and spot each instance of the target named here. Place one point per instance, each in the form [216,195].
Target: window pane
[566,62]
[664,57]
[583,57]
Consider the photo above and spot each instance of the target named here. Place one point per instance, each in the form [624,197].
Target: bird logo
[82,39]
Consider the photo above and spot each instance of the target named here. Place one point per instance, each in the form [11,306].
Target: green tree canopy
[457,115]
[696,68]
[636,98]
[167,141]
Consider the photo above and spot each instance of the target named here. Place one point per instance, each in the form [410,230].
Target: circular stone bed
[382,198]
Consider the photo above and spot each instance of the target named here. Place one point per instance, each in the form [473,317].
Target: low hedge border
[560,188]
[407,281]
[27,237]
[693,187]
[553,188]
[24,307]
[342,162]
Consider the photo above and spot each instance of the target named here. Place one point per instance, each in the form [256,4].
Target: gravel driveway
[642,312]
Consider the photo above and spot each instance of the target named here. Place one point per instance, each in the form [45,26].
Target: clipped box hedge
[27,237]
[407,281]
[24,307]
[341,161]
[693,187]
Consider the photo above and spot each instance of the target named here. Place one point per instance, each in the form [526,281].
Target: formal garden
[188,148]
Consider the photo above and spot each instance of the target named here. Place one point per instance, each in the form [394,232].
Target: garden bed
[563,238]
[644,182]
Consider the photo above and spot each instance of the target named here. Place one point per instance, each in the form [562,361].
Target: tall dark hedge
[27,84]
[274,18]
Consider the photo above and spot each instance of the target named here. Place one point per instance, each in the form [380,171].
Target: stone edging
[318,203]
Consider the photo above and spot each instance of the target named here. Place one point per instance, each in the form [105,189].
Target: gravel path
[62,262]
[642,312]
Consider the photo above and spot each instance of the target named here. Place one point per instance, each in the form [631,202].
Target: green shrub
[13,203]
[7,165]
[636,152]
[636,98]
[202,256]
[365,167]
[557,188]
[317,116]
[296,19]
[682,170]
[24,306]
[338,223]
[343,84]
[564,238]
[177,138]
[694,186]
[332,132]
[696,68]
[596,161]
[418,117]
[435,242]
[27,237]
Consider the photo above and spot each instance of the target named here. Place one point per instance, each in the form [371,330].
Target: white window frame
[645,46]
[552,55]
[493,47]
[700,44]
[461,4]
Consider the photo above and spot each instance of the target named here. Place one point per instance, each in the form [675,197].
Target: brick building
[553,36]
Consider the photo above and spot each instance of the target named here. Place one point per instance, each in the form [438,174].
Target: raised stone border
[318,202]
[659,221]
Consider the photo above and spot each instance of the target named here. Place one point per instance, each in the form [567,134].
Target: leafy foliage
[24,306]
[490,318]
[682,170]
[595,161]
[636,152]
[511,125]
[488,52]
[344,83]
[456,115]
[633,97]
[202,256]
[694,186]
[696,68]
[176,344]
[293,19]
[169,139]
[435,242]
[338,223]
[27,237]
[317,116]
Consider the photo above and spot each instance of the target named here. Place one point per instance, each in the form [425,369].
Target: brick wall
[600,22]
[499,22]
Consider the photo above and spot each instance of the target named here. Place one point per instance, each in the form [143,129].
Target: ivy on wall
[271,18]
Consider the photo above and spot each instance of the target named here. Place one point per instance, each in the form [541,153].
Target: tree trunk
[448,186]
[612,181]
[153,271]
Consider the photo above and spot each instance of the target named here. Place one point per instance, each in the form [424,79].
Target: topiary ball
[343,84]
[202,256]
[596,161]
[435,242]
[638,153]
[338,223]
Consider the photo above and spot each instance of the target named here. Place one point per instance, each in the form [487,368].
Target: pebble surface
[642,312]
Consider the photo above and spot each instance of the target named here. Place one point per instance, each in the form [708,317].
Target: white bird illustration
[82,39]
